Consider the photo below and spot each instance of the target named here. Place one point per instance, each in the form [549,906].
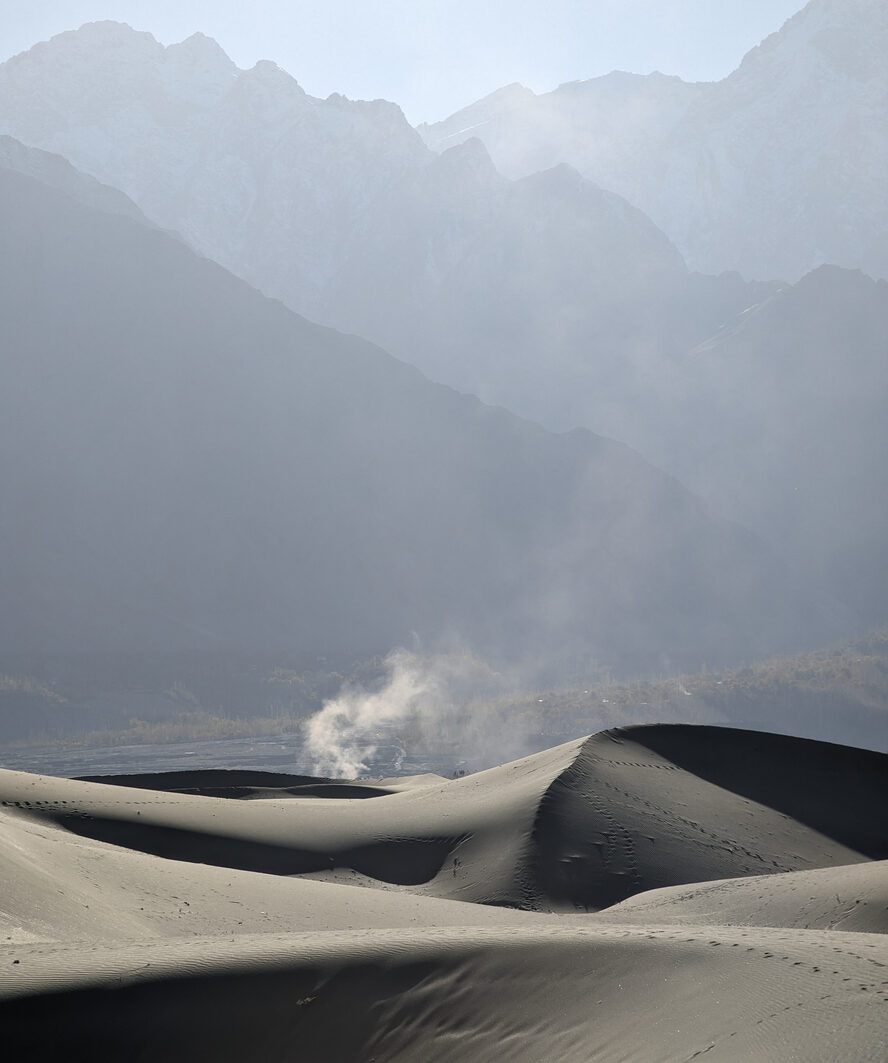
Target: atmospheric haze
[668,296]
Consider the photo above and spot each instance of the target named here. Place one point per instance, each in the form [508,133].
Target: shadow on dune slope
[403,861]
[240,784]
[837,790]
[645,807]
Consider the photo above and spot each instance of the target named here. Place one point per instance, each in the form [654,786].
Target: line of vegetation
[840,690]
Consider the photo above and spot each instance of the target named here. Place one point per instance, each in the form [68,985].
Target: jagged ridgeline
[534,250]
[768,171]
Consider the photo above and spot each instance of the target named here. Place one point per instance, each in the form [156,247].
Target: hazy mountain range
[190,463]
[773,171]
[187,464]
[514,291]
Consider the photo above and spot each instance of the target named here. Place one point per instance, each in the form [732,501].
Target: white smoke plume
[424,698]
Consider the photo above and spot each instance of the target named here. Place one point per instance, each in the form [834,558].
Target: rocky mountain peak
[832,37]
[199,52]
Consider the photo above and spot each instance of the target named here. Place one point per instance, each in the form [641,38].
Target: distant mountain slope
[186,464]
[547,295]
[790,398]
[57,172]
[521,293]
[773,171]
[243,163]
[608,127]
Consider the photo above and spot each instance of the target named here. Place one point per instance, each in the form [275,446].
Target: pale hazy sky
[434,56]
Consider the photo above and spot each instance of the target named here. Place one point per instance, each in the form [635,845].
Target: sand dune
[477,994]
[853,897]
[241,916]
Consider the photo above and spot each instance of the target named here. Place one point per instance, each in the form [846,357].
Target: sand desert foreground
[648,893]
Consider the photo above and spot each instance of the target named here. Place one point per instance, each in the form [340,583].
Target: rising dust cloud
[425,700]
